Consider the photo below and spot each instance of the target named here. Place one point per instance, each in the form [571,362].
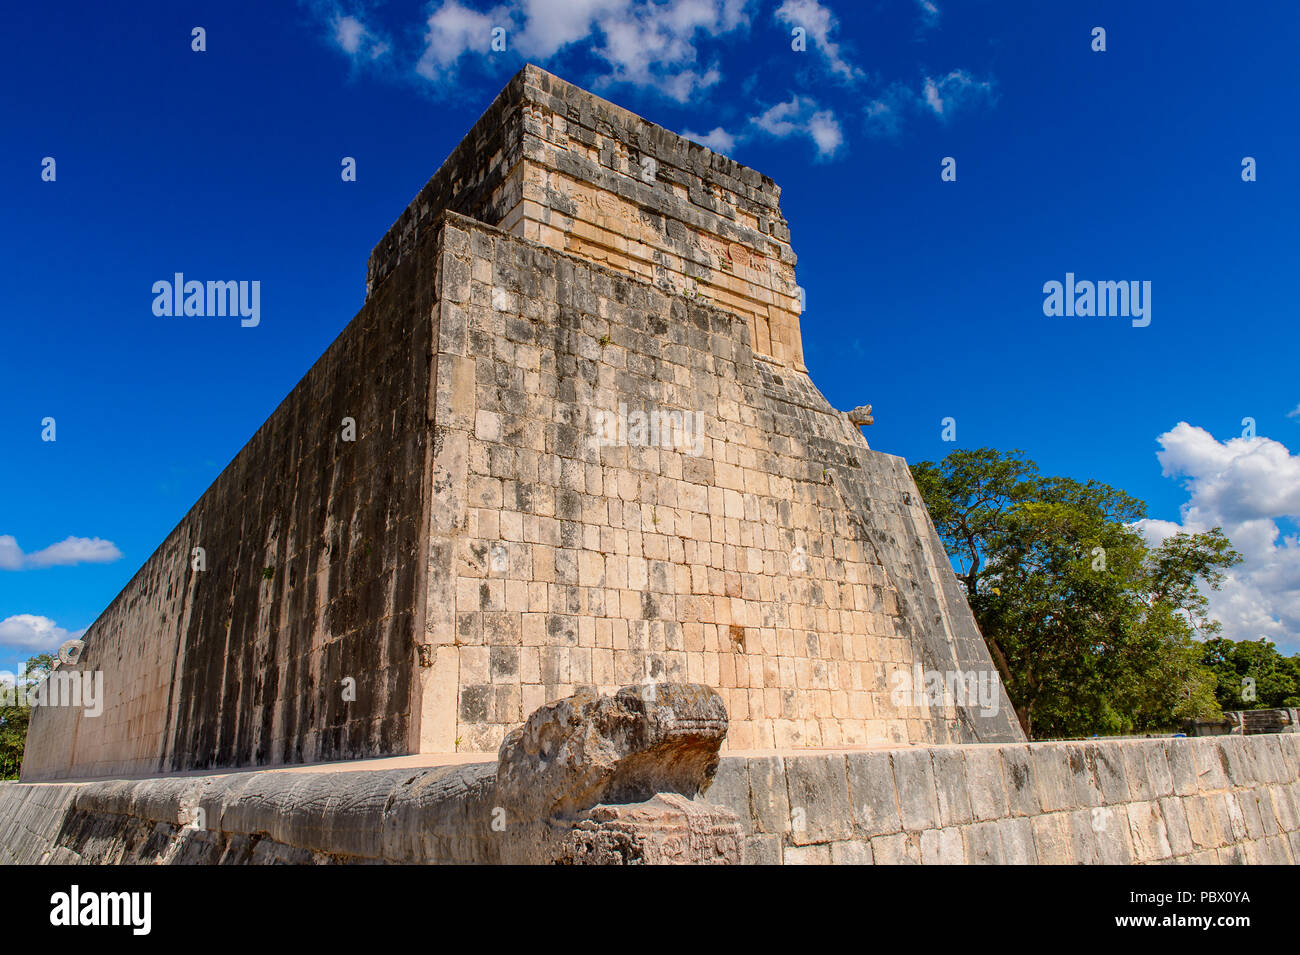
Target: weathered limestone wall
[479,550]
[312,546]
[481,179]
[552,163]
[772,555]
[1226,800]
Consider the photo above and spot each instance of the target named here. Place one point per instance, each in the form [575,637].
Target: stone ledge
[880,806]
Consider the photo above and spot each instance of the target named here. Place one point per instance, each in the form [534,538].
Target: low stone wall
[1213,800]
[440,814]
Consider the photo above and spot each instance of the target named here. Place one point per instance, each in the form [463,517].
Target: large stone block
[1022,795]
[1182,766]
[1053,779]
[1053,839]
[918,801]
[1147,825]
[988,793]
[942,847]
[667,829]
[984,844]
[902,848]
[1017,836]
[819,799]
[951,787]
[871,789]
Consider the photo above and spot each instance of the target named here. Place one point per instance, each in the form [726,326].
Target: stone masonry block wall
[479,550]
[552,163]
[1208,800]
[609,186]
[312,545]
[481,179]
[778,559]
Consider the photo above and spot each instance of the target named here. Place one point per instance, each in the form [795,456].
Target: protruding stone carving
[598,779]
[861,415]
[666,830]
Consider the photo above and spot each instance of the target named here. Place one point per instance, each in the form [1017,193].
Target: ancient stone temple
[569,441]
[562,497]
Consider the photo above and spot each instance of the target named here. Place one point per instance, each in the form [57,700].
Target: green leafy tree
[1251,674]
[1091,629]
[14,718]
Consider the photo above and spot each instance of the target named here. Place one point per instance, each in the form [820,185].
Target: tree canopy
[1251,674]
[14,715]
[1092,629]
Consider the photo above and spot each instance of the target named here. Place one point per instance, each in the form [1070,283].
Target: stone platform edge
[1216,800]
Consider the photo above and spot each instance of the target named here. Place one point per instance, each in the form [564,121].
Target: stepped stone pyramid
[504,529]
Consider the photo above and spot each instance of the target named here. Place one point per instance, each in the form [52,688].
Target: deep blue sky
[925,297]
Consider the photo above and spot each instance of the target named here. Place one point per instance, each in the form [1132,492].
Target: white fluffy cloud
[717,139]
[453,30]
[800,116]
[886,113]
[551,25]
[349,31]
[948,93]
[642,42]
[664,46]
[72,550]
[1246,486]
[30,633]
[355,39]
[939,97]
[547,26]
[1240,480]
[797,116]
[820,23]
[825,132]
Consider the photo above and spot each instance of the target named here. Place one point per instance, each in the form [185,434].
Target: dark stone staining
[504,662]
[254,686]
[474,703]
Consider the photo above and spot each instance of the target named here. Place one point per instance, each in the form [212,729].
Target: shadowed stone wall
[312,548]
